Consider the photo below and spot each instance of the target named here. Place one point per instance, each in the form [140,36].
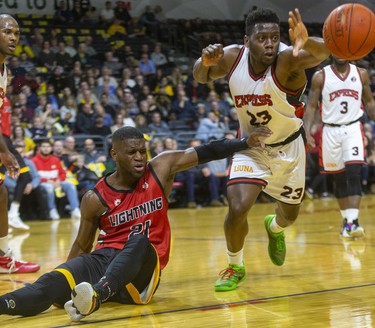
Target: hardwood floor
[325,281]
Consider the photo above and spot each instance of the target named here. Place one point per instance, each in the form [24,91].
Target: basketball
[349,31]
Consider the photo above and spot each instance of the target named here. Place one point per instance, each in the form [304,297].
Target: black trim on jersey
[114,189]
[96,191]
[155,177]
[239,56]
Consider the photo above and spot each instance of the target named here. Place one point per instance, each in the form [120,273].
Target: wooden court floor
[325,281]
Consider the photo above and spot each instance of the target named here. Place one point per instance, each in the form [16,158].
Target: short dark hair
[261,15]
[127,132]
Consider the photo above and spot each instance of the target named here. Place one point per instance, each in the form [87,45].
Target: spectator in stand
[53,176]
[18,136]
[68,111]
[107,77]
[135,28]
[85,177]
[86,96]
[182,108]
[100,111]
[31,97]
[110,103]
[141,124]
[46,57]
[62,14]
[146,66]
[198,178]
[159,59]
[92,154]
[157,125]
[33,204]
[53,98]
[130,103]
[16,69]
[210,127]
[70,155]
[99,128]
[85,119]
[26,62]
[195,91]
[122,13]
[70,46]
[166,85]
[90,49]
[59,80]
[81,56]
[118,123]
[126,79]
[76,12]
[112,62]
[107,14]
[21,106]
[233,123]
[148,19]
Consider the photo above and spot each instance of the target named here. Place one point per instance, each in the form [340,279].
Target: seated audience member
[53,180]
[199,178]
[157,125]
[18,134]
[85,176]
[33,205]
[85,119]
[38,130]
[210,126]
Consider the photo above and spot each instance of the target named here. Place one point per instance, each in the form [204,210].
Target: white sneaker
[15,222]
[76,213]
[54,215]
[72,311]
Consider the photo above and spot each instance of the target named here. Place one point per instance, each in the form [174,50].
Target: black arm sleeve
[219,149]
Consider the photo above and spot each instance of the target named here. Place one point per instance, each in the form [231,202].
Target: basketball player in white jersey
[9,37]
[340,90]
[266,83]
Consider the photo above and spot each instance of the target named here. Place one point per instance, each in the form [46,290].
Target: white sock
[235,258]
[343,213]
[14,208]
[352,214]
[4,245]
[274,227]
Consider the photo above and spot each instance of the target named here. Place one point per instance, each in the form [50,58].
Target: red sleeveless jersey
[5,116]
[141,210]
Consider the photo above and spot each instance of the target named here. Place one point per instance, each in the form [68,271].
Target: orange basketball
[349,31]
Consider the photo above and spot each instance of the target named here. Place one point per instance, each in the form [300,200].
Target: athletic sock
[274,227]
[351,214]
[235,258]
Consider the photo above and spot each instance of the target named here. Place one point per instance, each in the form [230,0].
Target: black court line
[220,306]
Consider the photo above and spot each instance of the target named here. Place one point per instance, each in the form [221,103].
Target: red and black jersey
[141,210]
[5,116]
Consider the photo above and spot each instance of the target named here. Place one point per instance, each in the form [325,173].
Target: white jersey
[341,96]
[262,101]
[3,84]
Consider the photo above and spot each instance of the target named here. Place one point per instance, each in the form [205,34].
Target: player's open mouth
[12,47]
[139,168]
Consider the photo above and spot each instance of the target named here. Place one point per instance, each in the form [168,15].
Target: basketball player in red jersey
[24,178]
[266,83]
[343,89]
[129,207]
[9,37]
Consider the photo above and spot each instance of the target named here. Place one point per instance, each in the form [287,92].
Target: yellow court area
[325,281]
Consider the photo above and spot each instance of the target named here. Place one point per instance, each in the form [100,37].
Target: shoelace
[280,243]
[227,273]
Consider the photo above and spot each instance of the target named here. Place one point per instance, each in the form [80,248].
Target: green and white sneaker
[276,243]
[230,278]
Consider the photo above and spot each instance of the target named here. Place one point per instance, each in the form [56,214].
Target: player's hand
[310,140]
[11,164]
[212,54]
[297,31]
[257,135]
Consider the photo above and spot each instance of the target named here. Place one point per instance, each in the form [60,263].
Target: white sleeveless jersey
[262,101]
[3,85]
[341,96]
